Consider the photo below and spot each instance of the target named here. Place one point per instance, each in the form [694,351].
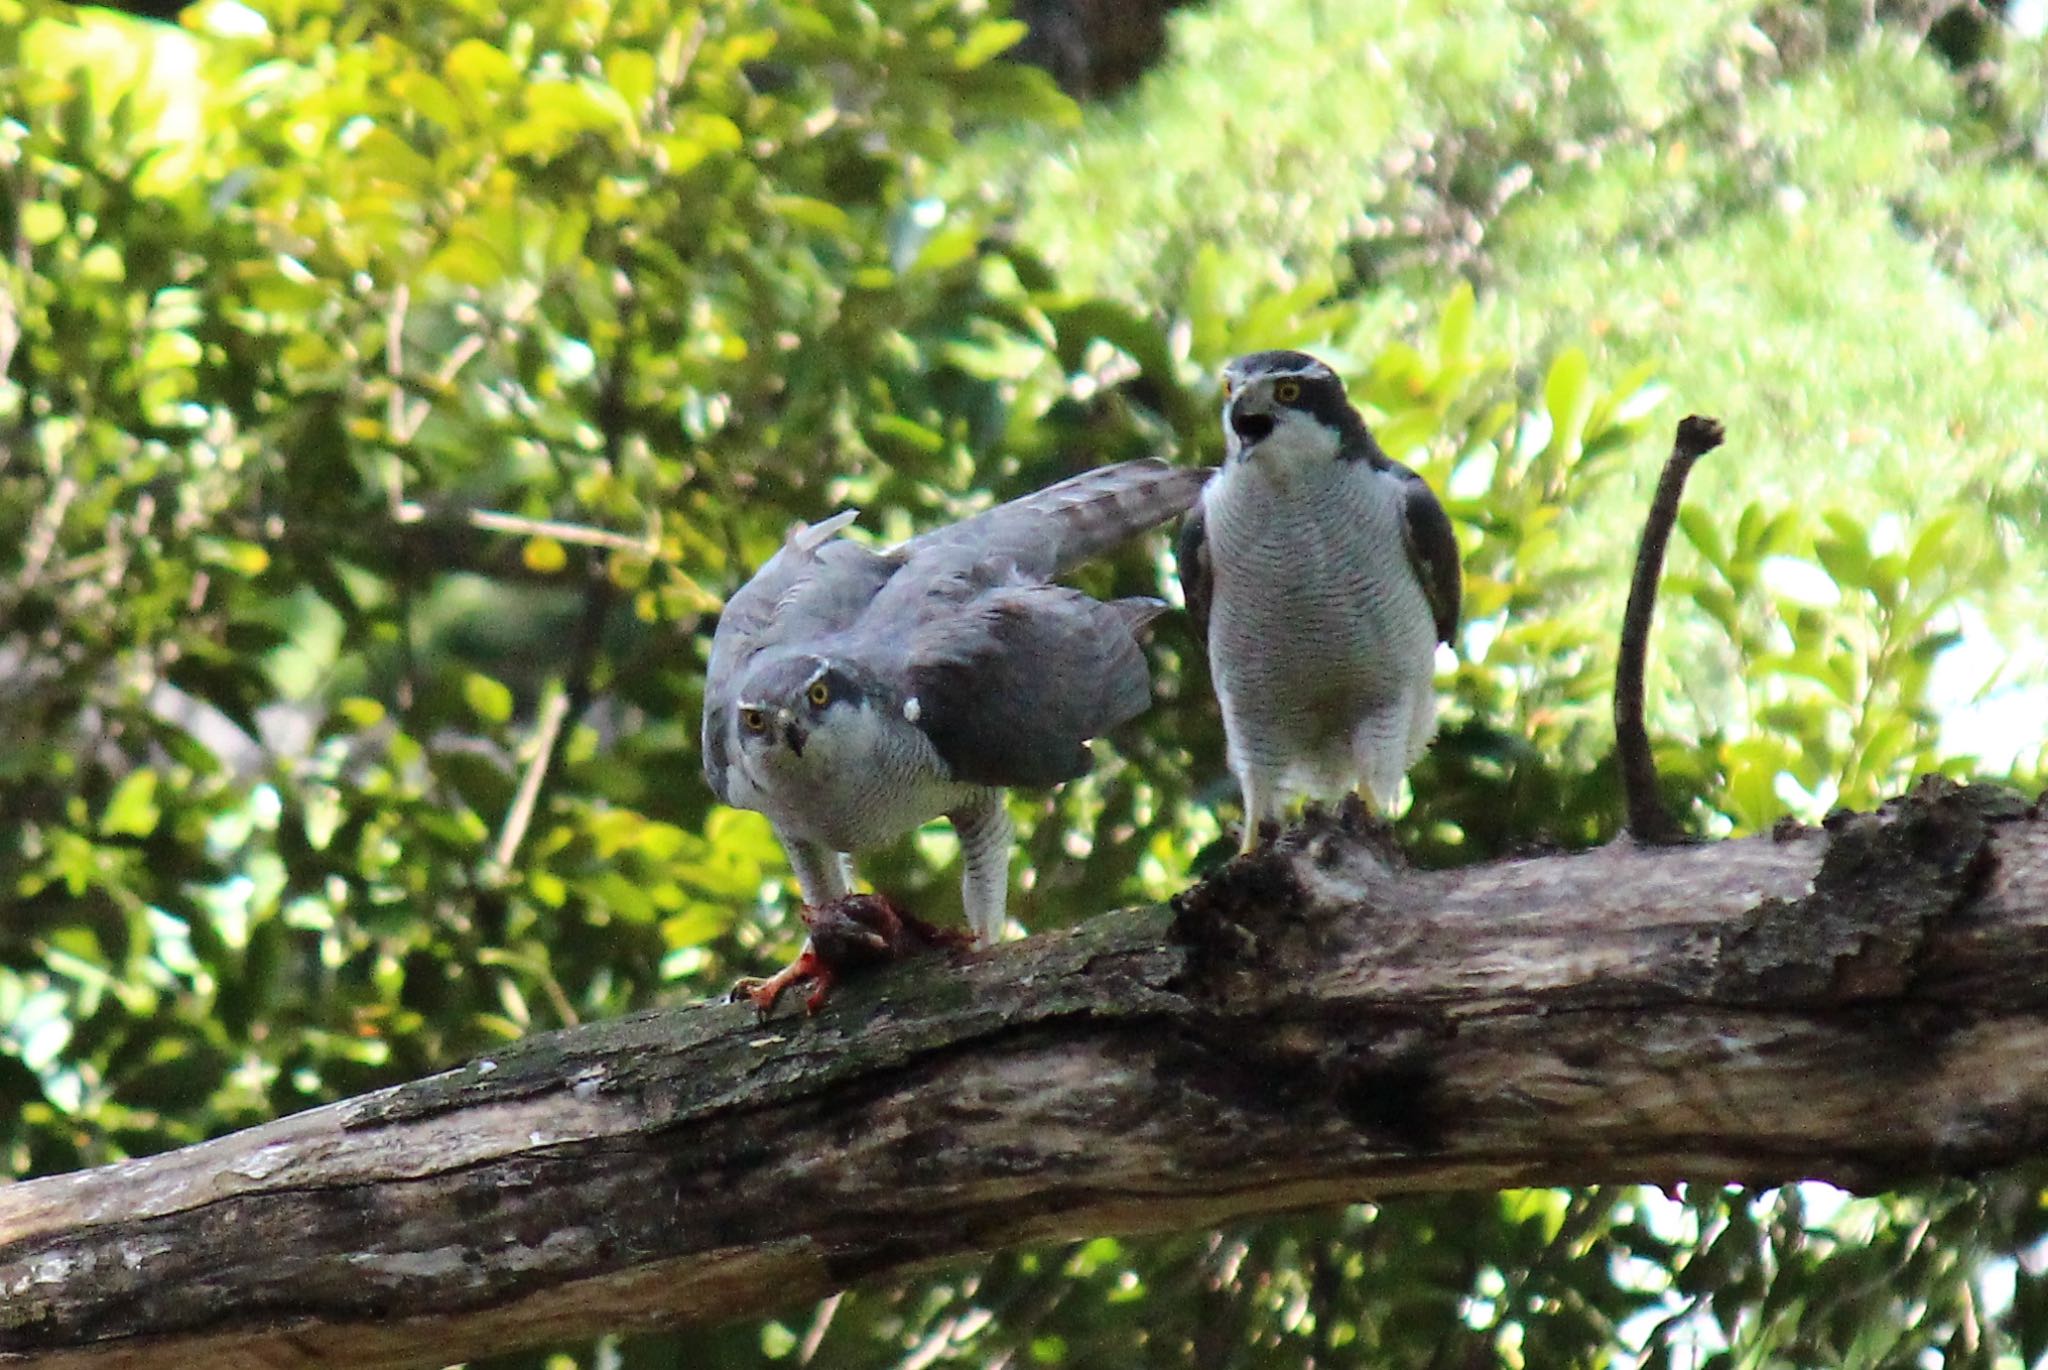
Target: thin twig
[458,357]
[22,261]
[559,708]
[547,731]
[395,426]
[403,418]
[1648,821]
[10,332]
[933,1346]
[574,696]
[44,528]
[496,521]
[821,1323]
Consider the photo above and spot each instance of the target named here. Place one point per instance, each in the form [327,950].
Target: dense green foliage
[390,399]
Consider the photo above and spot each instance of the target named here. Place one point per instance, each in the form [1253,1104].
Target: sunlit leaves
[132,809]
[392,411]
[294,417]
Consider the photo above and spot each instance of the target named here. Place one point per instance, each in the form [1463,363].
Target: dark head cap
[1260,386]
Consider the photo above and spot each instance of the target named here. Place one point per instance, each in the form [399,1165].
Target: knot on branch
[1886,881]
[1374,1074]
[1267,918]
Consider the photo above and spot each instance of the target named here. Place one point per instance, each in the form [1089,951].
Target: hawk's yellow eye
[820,693]
[754,720]
[1287,392]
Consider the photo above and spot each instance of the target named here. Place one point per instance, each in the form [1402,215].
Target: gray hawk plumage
[856,694]
[1321,574]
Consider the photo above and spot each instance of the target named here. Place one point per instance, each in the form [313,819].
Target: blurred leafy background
[391,395]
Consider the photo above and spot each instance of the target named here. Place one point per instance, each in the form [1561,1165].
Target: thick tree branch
[1863,1004]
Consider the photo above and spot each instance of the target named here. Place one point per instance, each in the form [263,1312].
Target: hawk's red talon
[764,994]
[848,935]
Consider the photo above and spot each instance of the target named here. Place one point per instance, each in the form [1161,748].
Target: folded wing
[1011,686]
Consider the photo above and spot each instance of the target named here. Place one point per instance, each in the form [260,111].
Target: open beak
[1251,429]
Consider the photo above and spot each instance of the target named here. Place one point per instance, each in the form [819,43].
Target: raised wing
[1051,531]
[815,584]
[1011,686]
[1432,550]
[1197,576]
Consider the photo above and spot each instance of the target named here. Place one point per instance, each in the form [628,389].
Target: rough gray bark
[1864,1004]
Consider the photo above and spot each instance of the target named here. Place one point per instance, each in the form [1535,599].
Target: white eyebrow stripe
[1298,373]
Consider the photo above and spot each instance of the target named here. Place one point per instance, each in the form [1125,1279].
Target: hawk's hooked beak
[793,735]
[1251,428]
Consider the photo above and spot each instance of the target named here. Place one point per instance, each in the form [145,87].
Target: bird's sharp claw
[1256,835]
[847,934]
[765,993]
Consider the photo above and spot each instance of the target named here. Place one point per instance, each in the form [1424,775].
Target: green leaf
[1703,533]
[479,68]
[1290,318]
[1932,547]
[467,260]
[245,558]
[1753,767]
[1885,574]
[948,248]
[545,555]
[41,222]
[1080,324]
[813,213]
[1719,603]
[1847,561]
[1454,329]
[698,136]
[1203,300]
[777,1341]
[631,73]
[558,112]
[132,809]
[487,699]
[1749,530]
[698,924]
[429,98]
[910,433]
[989,39]
[1568,398]
[479,781]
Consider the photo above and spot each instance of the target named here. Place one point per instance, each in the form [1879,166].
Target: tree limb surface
[1864,1004]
